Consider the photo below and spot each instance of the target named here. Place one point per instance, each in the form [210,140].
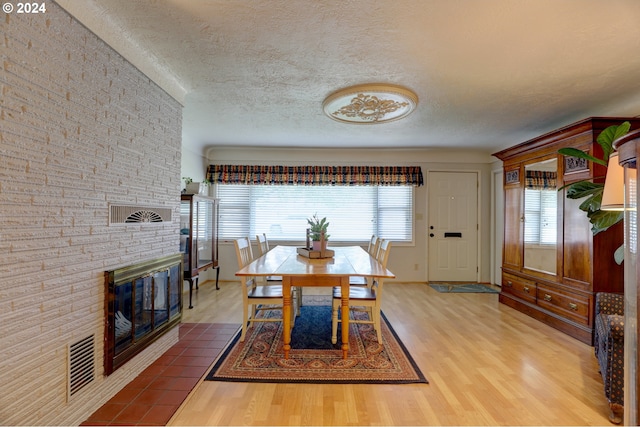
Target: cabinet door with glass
[198,237]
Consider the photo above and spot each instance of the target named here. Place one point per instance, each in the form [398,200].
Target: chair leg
[334,320]
[376,323]
[298,299]
[245,319]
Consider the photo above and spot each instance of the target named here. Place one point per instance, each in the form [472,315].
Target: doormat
[464,288]
[313,358]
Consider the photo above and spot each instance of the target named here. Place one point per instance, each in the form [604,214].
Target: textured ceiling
[488,74]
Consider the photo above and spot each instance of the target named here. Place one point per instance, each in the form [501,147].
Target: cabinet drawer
[566,304]
[519,287]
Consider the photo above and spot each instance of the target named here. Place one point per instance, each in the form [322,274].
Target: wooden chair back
[263,243]
[383,252]
[243,251]
[374,245]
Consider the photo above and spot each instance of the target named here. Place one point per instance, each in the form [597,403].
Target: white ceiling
[488,74]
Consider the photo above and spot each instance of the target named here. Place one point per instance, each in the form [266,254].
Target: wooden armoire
[555,280]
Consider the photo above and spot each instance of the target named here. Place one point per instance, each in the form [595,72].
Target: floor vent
[81,365]
[131,214]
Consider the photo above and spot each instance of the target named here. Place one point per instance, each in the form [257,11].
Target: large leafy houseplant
[592,191]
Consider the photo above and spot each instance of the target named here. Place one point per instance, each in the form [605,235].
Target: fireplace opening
[143,301]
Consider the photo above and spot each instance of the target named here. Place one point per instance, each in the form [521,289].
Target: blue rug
[464,288]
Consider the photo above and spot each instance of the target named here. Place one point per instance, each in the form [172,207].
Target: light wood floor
[486,364]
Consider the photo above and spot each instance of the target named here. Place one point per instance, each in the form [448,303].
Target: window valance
[315,175]
[540,180]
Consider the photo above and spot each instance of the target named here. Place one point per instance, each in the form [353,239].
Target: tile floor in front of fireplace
[154,396]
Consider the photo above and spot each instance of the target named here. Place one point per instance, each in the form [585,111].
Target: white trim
[496,226]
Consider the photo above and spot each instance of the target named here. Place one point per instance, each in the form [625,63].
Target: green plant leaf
[591,204]
[602,220]
[578,182]
[610,134]
[581,189]
[574,152]
[618,255]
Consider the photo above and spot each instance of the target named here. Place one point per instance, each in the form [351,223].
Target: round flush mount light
[370,103]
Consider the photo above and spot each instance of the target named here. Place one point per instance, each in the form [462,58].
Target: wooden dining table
[298,270]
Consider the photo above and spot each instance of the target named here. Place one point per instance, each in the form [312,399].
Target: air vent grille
[81,365]
[132,214]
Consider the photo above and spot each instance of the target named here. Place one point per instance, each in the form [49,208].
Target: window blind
[540,226]
[281,211]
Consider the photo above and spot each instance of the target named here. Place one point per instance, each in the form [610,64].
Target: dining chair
[372,248]
[362,298]
[374,245]
[255,295]
[263,243]
[263,247]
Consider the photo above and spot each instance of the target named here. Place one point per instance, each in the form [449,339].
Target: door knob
[431,235]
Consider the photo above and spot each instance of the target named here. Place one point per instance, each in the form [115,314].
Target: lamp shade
[613,194]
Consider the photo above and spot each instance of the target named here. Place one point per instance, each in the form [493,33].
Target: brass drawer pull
[526,289]
[509,283]
[573,306]
[547,297]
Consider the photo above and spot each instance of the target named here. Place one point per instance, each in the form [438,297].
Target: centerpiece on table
[317,238]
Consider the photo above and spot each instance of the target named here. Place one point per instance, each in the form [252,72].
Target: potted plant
[318,228]
[205,186]
[592,191]
[192,187]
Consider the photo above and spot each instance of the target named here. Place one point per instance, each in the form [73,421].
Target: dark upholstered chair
[608,343]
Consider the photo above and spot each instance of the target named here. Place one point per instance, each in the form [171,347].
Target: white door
[453,226]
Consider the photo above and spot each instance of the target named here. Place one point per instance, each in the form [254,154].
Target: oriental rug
[313,358]
[464,288]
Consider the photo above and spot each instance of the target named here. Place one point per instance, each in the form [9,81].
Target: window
[540,227]
[281,211]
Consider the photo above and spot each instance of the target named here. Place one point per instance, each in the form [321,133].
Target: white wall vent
[132,214]
[81,367]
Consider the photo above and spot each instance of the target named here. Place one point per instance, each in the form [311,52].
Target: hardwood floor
[486,364]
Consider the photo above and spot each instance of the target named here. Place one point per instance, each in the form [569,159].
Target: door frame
[478,174]
[497,225]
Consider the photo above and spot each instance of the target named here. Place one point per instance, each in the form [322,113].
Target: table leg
[344,288]
[286,314]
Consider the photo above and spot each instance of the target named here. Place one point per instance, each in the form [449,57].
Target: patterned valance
[316,175]
[540,180]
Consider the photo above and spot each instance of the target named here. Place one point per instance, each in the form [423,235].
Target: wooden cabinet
[561,291]
[198,237]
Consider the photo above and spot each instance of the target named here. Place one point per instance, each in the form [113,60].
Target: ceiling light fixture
[370,103]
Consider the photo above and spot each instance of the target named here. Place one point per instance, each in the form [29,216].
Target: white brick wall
[80,128]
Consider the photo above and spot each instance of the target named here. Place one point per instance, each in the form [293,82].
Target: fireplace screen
[143,302]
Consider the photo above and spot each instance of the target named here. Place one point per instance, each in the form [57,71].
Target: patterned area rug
[464,288]
[312,358]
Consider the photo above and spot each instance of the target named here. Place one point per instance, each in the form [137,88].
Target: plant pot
[193,188]
[316,245]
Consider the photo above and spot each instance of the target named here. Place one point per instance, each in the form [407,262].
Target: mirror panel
[541,216]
